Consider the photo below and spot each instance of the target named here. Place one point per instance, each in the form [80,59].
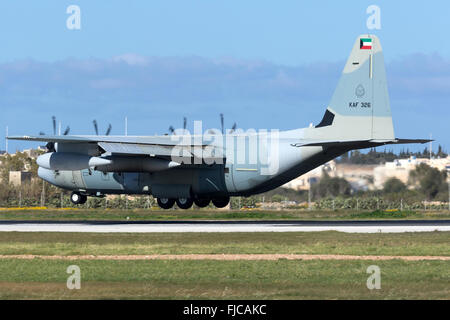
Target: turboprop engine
[68,161]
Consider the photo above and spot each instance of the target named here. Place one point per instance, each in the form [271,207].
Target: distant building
[16,178]
[359,176]
[313,176]
[401,168]
[34,153]
[367,177]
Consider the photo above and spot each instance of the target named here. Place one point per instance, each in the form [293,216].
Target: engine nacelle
[68,161]
[136,164]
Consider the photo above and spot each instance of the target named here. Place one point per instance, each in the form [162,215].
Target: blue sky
[264,64]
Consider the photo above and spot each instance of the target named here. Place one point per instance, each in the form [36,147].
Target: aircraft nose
[46,174]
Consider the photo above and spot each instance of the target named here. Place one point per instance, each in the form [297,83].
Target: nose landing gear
[78,198]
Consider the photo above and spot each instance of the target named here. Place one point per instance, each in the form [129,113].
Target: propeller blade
[221,122]
[95,126]
[172,130]
[108,131]
[54,125]
[184,123]
[66,132]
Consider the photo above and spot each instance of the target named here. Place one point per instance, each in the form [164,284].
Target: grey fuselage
[246,170]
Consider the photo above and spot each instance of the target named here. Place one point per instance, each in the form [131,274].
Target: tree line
[381,157]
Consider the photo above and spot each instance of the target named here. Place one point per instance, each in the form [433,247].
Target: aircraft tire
[165,203]
[221,202]
[184,203]
[202,203]
[83,199]
[78,198]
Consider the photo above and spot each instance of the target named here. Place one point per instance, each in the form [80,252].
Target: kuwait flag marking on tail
[365,43]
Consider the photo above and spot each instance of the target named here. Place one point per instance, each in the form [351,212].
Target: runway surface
[351,226]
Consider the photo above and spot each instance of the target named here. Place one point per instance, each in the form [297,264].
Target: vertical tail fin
[359,108]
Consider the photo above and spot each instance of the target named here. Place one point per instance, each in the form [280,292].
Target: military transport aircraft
[200,168]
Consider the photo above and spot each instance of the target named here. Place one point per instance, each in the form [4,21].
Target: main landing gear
[78,198]
[186,203]
[165,203]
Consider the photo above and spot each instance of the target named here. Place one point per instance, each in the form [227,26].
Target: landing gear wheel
[221,202]
[77,198]
[184,203]
[202,203]
[165,203]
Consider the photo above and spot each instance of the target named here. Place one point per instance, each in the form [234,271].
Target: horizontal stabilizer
[358,144]
[404,141]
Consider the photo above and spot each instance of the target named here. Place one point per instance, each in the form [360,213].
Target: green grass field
[157,214]
[207,279]
[330,242]
[39,279]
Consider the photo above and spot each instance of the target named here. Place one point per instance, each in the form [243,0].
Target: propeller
[108,131]
[95,126]
[233,128]
[51,145]
[66,132]
[54,125]
[172,129]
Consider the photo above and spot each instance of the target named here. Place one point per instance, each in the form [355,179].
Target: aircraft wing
[136,145]
[170,140]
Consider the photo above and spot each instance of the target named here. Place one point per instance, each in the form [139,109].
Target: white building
[401,168]
[367,177]
[302,182]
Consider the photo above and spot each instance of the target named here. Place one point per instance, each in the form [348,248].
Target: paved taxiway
[371,226]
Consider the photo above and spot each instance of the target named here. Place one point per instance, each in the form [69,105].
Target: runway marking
[360,226]
[219,227]
[224,257]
